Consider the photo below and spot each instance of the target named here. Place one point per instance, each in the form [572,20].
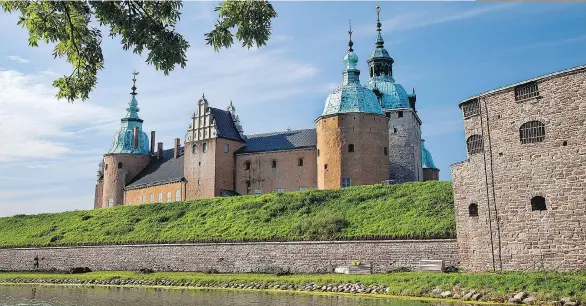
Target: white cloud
[18,59]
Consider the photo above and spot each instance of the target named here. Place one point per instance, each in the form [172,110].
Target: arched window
[538,203]
[386,151]
[119,165]
[474,144]
[247,165]
[531,132]
[350,148]
[204,147]
[274,164]
[473,210]
[106,167]
[317,152]
[226,148]
[194,148]
[300,162]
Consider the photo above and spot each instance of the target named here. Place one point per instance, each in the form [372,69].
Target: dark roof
[160,171]
[288,140]
[228,193]
[225,125]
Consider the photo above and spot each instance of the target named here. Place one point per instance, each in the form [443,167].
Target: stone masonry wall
[507,234]
[404,147]
[267,257]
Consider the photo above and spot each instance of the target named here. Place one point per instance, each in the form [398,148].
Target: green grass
[405,211]
[499,286]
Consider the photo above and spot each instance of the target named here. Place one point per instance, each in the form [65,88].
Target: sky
[447,51]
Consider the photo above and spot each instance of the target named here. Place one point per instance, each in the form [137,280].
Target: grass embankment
[545,286]
[405,211]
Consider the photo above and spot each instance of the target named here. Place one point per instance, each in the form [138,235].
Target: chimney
[159,150]
[176,148]
[135,137]
[153,142]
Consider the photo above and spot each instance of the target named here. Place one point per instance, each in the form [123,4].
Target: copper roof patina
[351,97]
[426,159]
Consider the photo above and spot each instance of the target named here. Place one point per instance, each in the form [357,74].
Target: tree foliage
[74,27]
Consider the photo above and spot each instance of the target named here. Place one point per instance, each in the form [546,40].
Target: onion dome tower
[430,171]
[128,155]
[399,107]
[352,133]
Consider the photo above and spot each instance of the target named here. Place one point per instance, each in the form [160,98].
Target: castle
[365,135]
[519,196]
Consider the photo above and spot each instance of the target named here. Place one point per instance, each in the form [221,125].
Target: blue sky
[448,51]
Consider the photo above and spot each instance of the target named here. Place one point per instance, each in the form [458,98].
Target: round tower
[128,155]
[352,134]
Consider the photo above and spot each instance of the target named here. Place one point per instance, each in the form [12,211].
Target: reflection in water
[37,295]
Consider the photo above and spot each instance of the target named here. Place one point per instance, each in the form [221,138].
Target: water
[37,295]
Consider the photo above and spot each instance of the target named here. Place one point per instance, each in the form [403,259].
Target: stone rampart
[260,257]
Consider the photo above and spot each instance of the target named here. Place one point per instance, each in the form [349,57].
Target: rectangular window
[303,188]
[471,108]
[160,197]
[280,190]
[152,198]
[526,91]
[400,113]
[143,199]
[178,195]
[257,191]
[346,182]
[168,196]
[110,202]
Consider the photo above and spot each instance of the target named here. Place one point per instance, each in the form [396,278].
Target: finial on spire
[378,24]
[134,74]
[350,43]
[413,90]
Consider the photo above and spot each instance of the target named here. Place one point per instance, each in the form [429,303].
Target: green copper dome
[123,142]
[426,159]
[351,97]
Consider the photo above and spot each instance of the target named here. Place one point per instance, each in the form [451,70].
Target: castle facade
[520,196]
[365,135]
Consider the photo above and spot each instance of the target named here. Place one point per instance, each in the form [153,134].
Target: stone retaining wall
[260,257]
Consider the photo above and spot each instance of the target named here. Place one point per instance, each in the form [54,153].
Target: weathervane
[378,24]
[134,74]
[350,43]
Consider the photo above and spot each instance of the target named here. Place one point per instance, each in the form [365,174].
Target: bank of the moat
[529,288]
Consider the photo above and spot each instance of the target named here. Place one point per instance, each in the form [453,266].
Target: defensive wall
[259,257]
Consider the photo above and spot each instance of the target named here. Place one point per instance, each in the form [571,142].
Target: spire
[351,59]
[350,43]
[132,110]
[380,43]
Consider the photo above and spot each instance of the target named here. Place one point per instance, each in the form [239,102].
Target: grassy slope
[405,211]
[546,285]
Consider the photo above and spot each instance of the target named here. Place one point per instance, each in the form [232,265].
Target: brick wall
[503,178]
[299,257]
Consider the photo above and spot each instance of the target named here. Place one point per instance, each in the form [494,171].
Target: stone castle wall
[116,178]
[263,257]
[502,179]
[405,147]
[134,196]
[287,174]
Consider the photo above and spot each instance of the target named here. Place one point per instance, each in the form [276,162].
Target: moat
[29,295]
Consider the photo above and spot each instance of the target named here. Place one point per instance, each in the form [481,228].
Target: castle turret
[404,123]
[430,171]
[352,133]
[128,155]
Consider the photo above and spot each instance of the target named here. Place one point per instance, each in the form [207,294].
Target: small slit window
[326,166]
[226,148]
[300,162]
[526,91]
[120,165]
[274,164]
[400,113]
[471,108]
[474,144]
[538,203]
[473,210]
[385,151]
[247,165]
[531,132]
[350,148]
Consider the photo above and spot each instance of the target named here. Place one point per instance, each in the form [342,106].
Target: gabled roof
[225,125]
[277,141]
[160,171]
